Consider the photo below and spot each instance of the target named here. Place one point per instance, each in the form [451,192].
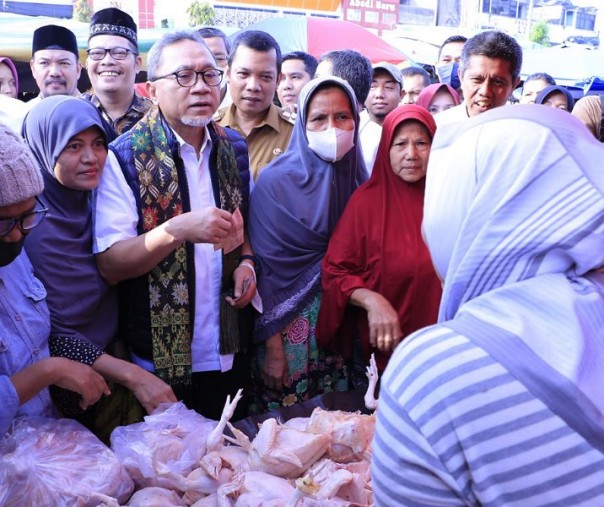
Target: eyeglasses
[97,54]
[25,222]
[188,78]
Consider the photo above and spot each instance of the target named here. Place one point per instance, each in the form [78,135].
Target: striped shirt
[502,402]
[454,427]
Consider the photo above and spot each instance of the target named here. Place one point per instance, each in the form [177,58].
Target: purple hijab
[294,207]
[81,304]
[9,63]
[547,91]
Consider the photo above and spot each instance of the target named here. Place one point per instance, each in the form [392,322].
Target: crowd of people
[247,219]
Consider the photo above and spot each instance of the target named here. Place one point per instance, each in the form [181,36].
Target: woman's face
[531,89]
[329,107]
[7,81]
[556,99]
[441,101]
[410,151]
[81,162]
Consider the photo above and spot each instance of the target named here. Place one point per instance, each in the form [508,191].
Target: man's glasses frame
[117,53]
[188,78]
[25,222]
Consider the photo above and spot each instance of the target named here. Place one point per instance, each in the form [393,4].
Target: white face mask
[331,144]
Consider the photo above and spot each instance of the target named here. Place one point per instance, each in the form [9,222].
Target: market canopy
[319,35]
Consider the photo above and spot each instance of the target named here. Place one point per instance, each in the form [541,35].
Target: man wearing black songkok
[113,63]
[55,62]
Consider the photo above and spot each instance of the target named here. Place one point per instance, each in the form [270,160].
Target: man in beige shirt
[253,74]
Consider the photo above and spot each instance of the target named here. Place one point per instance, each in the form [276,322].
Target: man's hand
[150,390]
[245,286]
[208,225]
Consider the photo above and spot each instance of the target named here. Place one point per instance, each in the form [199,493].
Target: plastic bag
[172,440]
[57,462]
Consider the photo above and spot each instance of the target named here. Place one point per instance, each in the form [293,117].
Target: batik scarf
[163,195]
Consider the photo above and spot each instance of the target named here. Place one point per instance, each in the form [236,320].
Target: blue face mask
[10,251]
[449,74]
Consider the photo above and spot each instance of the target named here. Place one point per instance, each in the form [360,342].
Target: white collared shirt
[116,220]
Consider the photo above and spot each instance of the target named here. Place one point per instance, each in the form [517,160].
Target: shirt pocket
[24,329]
[36,293]
[37,314]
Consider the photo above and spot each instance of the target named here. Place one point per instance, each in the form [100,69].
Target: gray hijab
[294,207]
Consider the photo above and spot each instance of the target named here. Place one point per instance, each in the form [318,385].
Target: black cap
[55,37]
[112,21]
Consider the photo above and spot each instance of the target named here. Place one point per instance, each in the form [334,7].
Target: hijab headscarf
[377,245]
[9,63]
[548,90]
[516,229]
[60,248]
[589,110]
[426,96]
[294,207]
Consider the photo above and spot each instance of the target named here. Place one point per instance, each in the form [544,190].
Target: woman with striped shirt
[502,401]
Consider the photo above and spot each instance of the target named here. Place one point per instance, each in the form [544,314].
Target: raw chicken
[258,488]
[146,497]
[155,497]
[372,374]
[351,433]
[172,440]
[44,459]
[282,451]
[349,482]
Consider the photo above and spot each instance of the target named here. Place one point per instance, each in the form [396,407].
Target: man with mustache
[55,62]
[174,193]
[113,63]
[26,370]
[489,71]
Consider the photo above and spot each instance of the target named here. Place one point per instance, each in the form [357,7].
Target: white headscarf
[514,221]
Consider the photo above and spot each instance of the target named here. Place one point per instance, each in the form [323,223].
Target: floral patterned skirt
[310,371]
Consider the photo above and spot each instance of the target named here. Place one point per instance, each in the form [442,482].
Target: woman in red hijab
[438,97]
[377,276]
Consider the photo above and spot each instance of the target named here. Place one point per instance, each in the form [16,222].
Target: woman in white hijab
[502,402]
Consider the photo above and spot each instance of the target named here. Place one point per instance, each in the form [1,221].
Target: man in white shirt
[384,96]
[489,71]
[168,202]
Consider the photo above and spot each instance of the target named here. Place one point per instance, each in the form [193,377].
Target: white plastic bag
[57,462]
[172,440]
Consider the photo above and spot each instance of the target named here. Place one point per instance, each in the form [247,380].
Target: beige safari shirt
[266,141]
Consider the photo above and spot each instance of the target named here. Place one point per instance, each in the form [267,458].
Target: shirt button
[18,317]
[36,351]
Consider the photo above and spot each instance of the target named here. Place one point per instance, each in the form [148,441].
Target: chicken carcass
[172,438]
[372,375]
[155,497]
[351,433]
[282,451]
[255,488]
[347,482]
[58,460]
